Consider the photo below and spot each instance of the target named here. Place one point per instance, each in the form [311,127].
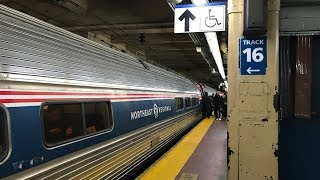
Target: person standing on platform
[225,107]
[207,105]
[212,102]
[216,106]
[220,107]
[203,108]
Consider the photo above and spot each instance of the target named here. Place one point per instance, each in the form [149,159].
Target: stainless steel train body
[137,110]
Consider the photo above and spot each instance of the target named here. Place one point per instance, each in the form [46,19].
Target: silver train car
[74,109]
[210,90]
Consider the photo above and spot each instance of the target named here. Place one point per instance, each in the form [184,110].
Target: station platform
[199,155]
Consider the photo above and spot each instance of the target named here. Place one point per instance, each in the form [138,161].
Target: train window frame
[194,102]
[7,135]
[183,105]
[185,102]
[108,115]
[85,135]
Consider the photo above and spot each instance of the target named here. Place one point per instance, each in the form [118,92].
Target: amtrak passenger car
[71,108]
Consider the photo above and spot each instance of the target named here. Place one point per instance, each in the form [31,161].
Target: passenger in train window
[53,124]
[73,120]
[96,115]
[194,101]
[91,123]
[188,102]
[179,103]
[91,129]
[58,126]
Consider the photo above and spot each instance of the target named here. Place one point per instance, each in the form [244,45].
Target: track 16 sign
[253,56]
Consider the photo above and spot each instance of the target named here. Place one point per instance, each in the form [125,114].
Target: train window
[194,101]
[188,102]
[66,121]
[97,116]
[62,122]
[3,134]
[179,103]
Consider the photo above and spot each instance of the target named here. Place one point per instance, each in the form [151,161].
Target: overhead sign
[205,18]
[253,55]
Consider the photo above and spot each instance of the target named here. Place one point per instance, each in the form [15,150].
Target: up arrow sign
[186,16]
[249,70]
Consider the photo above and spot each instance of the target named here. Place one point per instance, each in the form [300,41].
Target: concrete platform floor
[199,155]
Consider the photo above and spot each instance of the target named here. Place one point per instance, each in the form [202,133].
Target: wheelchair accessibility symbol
[211,21]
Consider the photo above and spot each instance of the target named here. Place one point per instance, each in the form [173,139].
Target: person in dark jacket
[224,107]
[216,105]
[203,108]
[55,127]
[212,102]
[220,103]
[207,105]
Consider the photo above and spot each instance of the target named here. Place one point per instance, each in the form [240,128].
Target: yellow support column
[253,122]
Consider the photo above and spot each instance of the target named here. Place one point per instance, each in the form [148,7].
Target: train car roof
[35,51]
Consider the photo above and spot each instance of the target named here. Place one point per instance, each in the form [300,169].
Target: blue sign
[253,55]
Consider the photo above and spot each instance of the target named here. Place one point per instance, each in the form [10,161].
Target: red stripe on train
[72,93]
[68,99]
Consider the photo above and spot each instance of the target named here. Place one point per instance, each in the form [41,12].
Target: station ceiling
[125,22]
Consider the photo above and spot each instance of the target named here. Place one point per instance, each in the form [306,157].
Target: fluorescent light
[198,49]
[213,71]
[174,1]
[214,44]
[199,2]
[215,51]
[226,85]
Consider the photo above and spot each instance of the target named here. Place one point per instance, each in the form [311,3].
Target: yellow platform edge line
[171,163]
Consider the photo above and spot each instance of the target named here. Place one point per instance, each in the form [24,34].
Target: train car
[209,90]
[72,108]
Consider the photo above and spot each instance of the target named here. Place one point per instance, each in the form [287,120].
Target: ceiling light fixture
[214,45]
[174,1]
[213,71]
[198,49]
[199,2]
[215,51]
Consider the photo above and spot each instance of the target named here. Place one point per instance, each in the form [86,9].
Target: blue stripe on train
[27,140]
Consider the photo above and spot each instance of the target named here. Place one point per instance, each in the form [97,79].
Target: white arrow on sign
[249,70]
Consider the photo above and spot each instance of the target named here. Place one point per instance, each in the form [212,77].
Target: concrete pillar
[253,122]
